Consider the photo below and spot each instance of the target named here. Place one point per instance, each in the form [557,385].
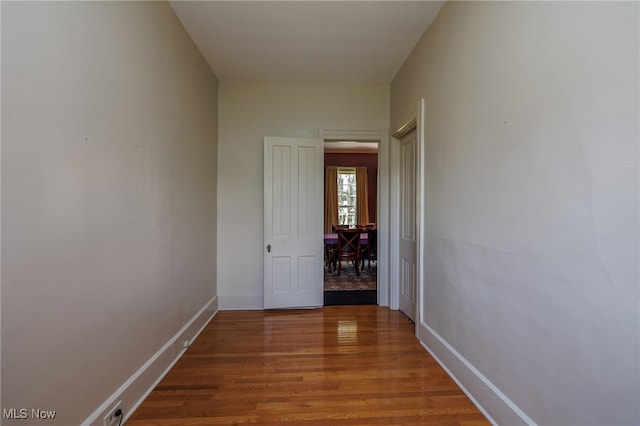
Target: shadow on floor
[353,297]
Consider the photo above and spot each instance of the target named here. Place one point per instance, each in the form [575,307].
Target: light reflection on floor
[347,335]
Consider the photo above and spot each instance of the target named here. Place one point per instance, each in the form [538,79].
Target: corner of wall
[236,302]
[495,405]
[135,389]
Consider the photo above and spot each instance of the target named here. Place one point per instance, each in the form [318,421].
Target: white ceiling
[322,41]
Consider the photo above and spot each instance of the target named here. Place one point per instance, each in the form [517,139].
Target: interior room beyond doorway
[350,286]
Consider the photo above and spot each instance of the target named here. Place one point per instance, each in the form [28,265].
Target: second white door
[407,242]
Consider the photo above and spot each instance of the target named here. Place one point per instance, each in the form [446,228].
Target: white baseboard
[241,302]
[495,405]
[142,382]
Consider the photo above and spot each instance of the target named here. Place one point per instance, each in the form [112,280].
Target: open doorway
[355,167]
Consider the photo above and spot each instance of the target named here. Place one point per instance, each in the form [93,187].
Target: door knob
[269,248]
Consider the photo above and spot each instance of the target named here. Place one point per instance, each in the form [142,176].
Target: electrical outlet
[111,419]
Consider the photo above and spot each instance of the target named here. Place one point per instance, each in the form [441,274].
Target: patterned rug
[348,280]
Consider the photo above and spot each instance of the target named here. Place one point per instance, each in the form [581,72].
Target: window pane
[347,198]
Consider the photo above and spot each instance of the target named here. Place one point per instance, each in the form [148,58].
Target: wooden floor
[340,365]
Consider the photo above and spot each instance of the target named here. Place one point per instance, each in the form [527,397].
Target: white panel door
[293,222]
[407,225]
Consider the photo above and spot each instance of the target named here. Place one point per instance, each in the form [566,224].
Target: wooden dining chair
[348,248]
[334,228]
[370,251]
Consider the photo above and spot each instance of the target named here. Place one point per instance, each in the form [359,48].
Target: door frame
[416,121]
[383,202]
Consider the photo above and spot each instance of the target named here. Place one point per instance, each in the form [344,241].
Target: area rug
[348,280]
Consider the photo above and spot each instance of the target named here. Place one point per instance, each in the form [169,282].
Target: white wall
[109,133]
[532,205]
[249,111]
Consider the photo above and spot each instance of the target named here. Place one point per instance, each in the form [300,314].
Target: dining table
[332,239]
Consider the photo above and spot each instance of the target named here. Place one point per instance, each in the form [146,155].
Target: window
[347,196]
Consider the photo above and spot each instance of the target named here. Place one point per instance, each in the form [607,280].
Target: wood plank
[346,365]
